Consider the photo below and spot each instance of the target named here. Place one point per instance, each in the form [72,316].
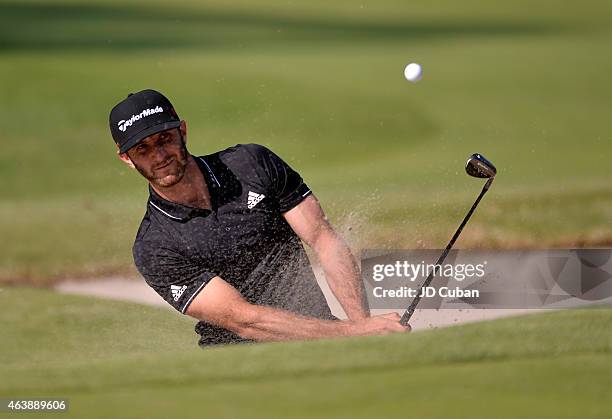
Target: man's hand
[380,325]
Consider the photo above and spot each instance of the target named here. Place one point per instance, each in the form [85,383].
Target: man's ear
[183,129]
[125,158]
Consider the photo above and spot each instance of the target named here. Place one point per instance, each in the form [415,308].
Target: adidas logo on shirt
[177,291]
[254,199]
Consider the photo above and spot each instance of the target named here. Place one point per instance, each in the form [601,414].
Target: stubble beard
[171,178]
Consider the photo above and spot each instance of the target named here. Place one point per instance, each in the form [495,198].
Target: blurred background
[526,83]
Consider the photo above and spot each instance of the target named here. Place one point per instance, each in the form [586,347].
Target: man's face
[161,158]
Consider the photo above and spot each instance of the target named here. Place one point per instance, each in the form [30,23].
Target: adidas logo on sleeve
[177,291]
[254,199]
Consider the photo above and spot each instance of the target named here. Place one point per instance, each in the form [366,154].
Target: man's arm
[341,270]
[222,305]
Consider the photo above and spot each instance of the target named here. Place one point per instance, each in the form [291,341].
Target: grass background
[526,83]
[115,359]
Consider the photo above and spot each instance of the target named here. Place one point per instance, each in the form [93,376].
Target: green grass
[524,82]
[115,359]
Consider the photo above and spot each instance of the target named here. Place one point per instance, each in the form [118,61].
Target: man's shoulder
[150,237]
[250,152]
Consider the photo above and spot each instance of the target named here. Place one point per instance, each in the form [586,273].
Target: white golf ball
[413,72]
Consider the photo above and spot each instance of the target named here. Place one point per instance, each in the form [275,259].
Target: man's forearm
[342,274]
[222,305]
[270,324]
[340,267]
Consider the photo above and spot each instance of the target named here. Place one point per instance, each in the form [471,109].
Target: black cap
[140,115]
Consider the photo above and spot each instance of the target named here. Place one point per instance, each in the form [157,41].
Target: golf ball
[413,72]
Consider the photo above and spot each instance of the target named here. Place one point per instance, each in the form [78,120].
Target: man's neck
[191,190]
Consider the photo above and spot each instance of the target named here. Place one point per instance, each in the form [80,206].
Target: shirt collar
[180,212]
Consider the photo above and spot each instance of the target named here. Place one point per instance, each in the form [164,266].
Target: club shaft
[410,311]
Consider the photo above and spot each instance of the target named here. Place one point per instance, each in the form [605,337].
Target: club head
[478,166]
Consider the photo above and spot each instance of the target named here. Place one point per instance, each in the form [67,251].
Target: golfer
[220,238]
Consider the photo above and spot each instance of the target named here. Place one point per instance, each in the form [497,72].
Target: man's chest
[238,235]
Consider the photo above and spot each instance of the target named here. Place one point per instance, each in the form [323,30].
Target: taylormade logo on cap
[123,124]
[147,112]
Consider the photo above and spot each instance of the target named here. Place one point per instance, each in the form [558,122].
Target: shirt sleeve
[284,184]
[173,276]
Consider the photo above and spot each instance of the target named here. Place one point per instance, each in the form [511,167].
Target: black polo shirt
[244,239]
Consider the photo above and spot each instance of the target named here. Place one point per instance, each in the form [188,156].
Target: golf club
[476,166]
